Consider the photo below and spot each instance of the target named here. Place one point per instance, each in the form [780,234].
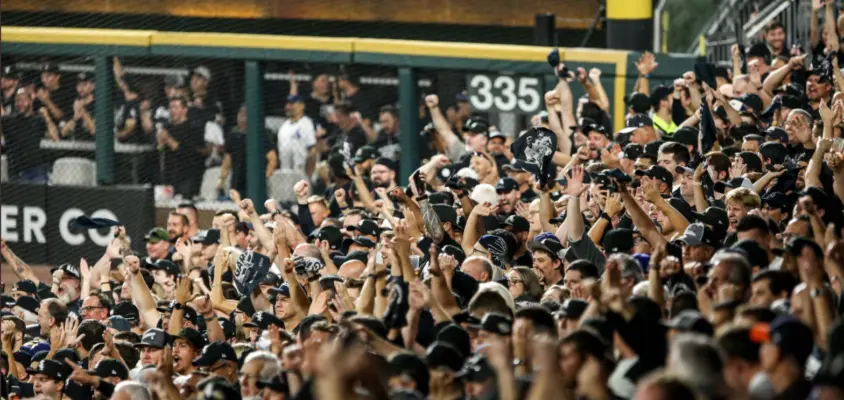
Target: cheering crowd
[698,253]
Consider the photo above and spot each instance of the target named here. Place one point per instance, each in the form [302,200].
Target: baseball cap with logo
[659,172]
[213,352]
[155,338]
[209,236]
[497,323]
[366,227]
[635,122]
[26,286]
[366,153]
[278,384]
[547,244]
[69,270]
[715,217]
[518,223]
[697,234]
[618,241]
[572,308]
[156,235]
[506,185]
[110,368]
[192,337]
[126,310]
[263,320]
[51,368]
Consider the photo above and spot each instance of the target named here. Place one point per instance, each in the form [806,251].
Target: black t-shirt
[79,132]
[317,110]
[526,260]
[187,161]
[63,99]
[236,147]
[364,102]
[130,110]
[23,135]
[356,138]
[388,145]
[8,103]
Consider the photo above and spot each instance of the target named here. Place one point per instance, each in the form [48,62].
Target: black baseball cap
[635,122]
[51,368]
[366,227]
[572,308]
[476,125]
[210,236]
[445,213]
[516,166]
[213,352]
[329,233]
[366,153]
[386,162]
[549,245]
[518,223]
[271,279]
[10,71]
[715,217]
[506,185]
[632,151]
[155,338]
[441,354]
[356,255]
[27,286]
[777,200]
[69,270]
[263,320]
[410,364]
[192,336]
[777,153]
[753,252]
[618,241]
[49,67]
[686,135]
[28,303]
[659,93]
[110,368]
[659,172]
[819,197]
[167,266]
[126,310]
[594,127]
[497,323]
[639,102]
[476,369]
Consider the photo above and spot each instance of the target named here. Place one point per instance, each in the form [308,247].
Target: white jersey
[295,138]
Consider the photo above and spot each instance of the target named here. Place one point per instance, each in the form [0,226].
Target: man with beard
[187,345]
[364,159]
[520,227]
[383,173]
[178,226]
[387,141]
[598,139]
[67,286]
[508,196]
[9,80]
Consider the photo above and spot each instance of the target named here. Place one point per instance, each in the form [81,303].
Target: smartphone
[414,261]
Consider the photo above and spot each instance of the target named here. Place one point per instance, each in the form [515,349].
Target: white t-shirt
[295,138]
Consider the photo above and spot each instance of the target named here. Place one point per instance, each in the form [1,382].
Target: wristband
[178,306]
[605,216]
[209,319]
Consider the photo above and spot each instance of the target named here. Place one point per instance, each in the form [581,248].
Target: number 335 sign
[519,94]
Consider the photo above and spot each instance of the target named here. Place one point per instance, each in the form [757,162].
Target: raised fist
[432,100]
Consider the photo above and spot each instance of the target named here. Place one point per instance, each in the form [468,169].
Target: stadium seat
[74,171]
[4,168]
[280,185]
[208,190]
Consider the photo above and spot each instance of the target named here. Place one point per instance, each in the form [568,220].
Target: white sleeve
[214,133]
[308,132]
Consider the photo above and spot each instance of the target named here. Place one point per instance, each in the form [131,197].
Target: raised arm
[141,295]
[640,218]
[591,90]
[441,124]
[17,265]
[474,227]
[574,219]
[776,77]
